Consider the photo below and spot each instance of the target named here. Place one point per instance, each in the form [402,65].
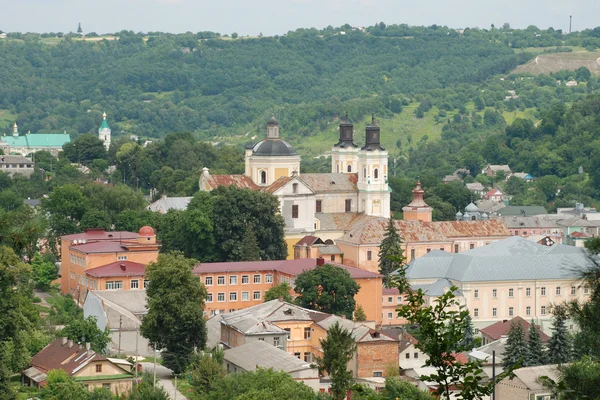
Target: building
[476,188]
[391,299]
[298,331]
[472,213]
[495,285]
[101,260]
[580,211]
[85,366]
[495,195]
[164,204]
[314,247]
[104,132]
[16,165]
[32,142]
[357,185]
[234,286]
[491,170]
[251,356]
[526,385]
[501,329]
[409,357]
[576,230]
[527,226]
[542,239]
[526,211]
[523,175]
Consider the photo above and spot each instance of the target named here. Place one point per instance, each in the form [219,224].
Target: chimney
[123,267]
[320,261]
[70,343]
[88,346]
[64,341]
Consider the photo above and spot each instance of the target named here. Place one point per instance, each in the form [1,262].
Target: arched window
[349,168]
[375,173]
[263,177]
[474,218]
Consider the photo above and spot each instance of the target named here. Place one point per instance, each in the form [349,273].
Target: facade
[528,226]
[576,230]
[82,364]
[525,385]
[357,185]
[391,299]
[104,132]
[494,284]
[32,142]
[409,357]
[495,195]
[314,247]
[476,188]
[16,165]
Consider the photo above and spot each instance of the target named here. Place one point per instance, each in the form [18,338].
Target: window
[307,332]
[369,255]
[98,367]
[375,173]
[494,312]
[319,204]
[399,300]
[233,280]
[456,248]
[295,211]
[511,311]
[429,250]
[364,173]
[232,296]
[106,386]
[220,280]
[377,374]
[135,284]
[208,281]
[295,188]
[146,283]
[390,315]
[262,339]
[348,205]
[390,299]
[256,295]
[114,285]
[471,245]
[543,310]
[256,278]
[332,258]
[495,293]
[276,341]
[476,293]
[289,332]
[122,258]
[263,177]
[573,290]
[412,254]
[408,356]
[416,355]
[307,357]
[586,290]
[209,298]
[245,279]
[543,291]
[511,293]
[558,290]
[476,312]
[349,169]
[528,310]
[528,292]
[297,355]
[220,297]
[245,296]
[269,278]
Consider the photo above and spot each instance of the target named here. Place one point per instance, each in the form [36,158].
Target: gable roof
[497,168]
[16,159]
[309,241]
[530,375]
[475,186]
[330,182]
[251,356]
[240,181]
[165,204]
[341,221]
[494,192]
[101,234]
[118,268]
[501,328]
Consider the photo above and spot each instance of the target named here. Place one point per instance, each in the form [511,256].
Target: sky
[271,17]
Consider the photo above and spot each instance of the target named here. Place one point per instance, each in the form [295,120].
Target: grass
[184,387]
[554,62]
[7,119]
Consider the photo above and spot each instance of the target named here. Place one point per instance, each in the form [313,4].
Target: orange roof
[330,182]
[278,184]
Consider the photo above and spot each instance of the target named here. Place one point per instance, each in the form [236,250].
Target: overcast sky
[279,16]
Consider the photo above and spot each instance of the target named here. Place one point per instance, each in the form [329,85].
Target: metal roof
[530,375]
[273,148]
[165,204]
[522,210]
[260,354]
[38,140]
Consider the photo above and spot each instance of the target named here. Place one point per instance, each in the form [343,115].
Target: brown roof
[241,181]
[101,234]
[406,340]
[501,328]
[278,184]
[340,221]
[64,354]
[118,268]
[309,241]
[385,291]
[371,231]
[320,183]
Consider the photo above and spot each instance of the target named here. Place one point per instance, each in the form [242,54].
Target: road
[163,378]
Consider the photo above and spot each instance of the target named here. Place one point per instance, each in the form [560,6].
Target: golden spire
[104,115]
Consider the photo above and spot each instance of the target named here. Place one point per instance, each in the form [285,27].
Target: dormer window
[288,311]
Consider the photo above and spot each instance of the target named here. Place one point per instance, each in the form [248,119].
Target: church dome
[471,208]
[146,231]
[273,148]
[272,121]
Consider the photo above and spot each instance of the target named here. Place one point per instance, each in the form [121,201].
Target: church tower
[104,132]
[374,192]
[417,210]
[344,154]
[15,130]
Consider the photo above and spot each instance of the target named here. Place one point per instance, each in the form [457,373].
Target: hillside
[555,62]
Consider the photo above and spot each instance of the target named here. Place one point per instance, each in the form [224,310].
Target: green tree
[536,354]
[87,331]
[250,250]
[559,346]
[576,381]
[146,390]
[85,149]
[206,370]
[391,255]
[359,314]
[280,291]
[515,351]
[338,349]
[175,300]
[94,218]
[9,200]
[400,389]
[328,289]
[44,272]
[468,339]
[60,386]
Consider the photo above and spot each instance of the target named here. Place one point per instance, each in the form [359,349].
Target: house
[491,170]
[576,230]
[16,165]
[501,329]
[298,331]
[476,188]
[488,206]
[32,142]
[491,355]
[409,356]
[526,385]
[495,195]
[543,224]
[580,211]
[494,284]
[314,247]
[390,301]
[523,175]
[251,356]
[527,211]
[164,204]
[571,83]
[85,366]
[451,178]
[121,311]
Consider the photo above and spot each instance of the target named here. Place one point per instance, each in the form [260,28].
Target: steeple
[15,130]
[373,137]
[417,210]
[346,134]
[272,128]
[104,132]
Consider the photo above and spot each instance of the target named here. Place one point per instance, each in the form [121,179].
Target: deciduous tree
[280,291]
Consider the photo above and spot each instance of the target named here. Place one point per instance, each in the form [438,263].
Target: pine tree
[338,349]
[250,250]
[359,314]
[79,30]
[391,255]
[559,346]
[536,354]
[515,351]
[468,340]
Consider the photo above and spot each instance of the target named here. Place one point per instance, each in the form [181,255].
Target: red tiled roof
[241,181]
[118,268]
[579,235]
[501,328]
[101,234]
[291,267]
[390,291]
[494,192]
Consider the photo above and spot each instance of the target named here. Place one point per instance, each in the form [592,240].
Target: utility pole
[570,20]
[120,324]
[175,387]
[154,364]
[494,375]
[137,334]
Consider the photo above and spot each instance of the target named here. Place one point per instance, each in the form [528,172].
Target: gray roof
[125,313]
[485,352]
[32,202]
[514,258]
[539,221]
[475,187]
[529,376]
[165,204]
[522,210]
[249,356]
[132,300]
[17,159]
[489,206]
[329,249]
[438,288]
[576,221]
[273,147]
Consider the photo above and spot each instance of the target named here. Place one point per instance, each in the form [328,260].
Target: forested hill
[154,85]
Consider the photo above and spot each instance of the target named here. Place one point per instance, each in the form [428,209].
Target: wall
[412,362]
[368,298]
[376,356]
[108,368]
[297,344]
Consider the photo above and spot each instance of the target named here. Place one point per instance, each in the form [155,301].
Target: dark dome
[272,121]
[273,147]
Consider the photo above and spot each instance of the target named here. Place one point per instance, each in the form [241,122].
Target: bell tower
[344,154]
[104,132]
[417,209]
[372,184]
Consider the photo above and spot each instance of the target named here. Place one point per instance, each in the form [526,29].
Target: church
[326,204]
